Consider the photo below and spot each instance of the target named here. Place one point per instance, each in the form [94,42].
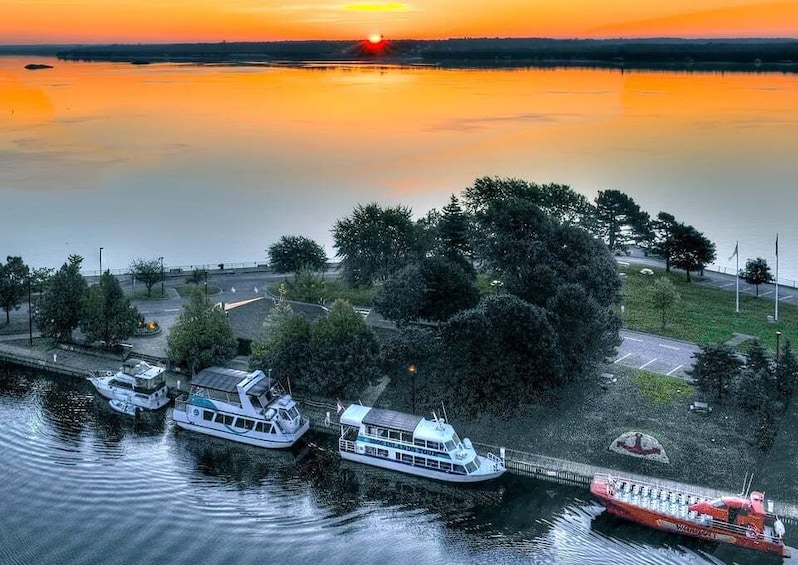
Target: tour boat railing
[346,445]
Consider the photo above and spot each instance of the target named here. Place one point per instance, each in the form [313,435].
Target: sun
[375,38]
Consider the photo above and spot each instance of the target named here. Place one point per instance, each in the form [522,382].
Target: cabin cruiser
[245,407]
[412,444]
[137,385]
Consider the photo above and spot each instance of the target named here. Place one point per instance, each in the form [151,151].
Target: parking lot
[656,354]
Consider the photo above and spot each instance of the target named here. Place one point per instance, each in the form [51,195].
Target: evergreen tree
[202,336]
[786,372]
[663,228]
[58,311]
[619,219]
[107,314]
[715,368]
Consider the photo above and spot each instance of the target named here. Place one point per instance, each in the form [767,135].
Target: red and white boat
[731,519]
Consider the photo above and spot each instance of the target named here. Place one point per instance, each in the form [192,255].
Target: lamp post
[412,370]
[161,260]
[101,261]
[778,335]
[206,287]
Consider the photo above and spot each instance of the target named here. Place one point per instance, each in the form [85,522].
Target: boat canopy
[354,414]
[392,420]
[219,378]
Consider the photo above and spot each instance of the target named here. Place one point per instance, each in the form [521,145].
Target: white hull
[270,441]
[423,472]
[122,407]
[151,402]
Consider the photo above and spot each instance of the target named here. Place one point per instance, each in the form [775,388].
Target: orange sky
[103,21]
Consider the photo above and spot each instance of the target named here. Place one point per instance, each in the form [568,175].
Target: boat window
[420,442]
[121,384]
[446,466]
[207,415]
[226,419]
[718,503]
[393,434]
[261,427]
[432,463]
[382,432]
[476,462]
[293,412]
[244,423]
[371,431]
[407,437]
[458,469]
[449,445]
[407,458]
[470,467]
[455,439]
[434,445]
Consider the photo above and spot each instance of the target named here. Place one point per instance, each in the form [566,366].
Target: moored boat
[736,520]
[412,444]
[245,407]
[137,383]
[123,407]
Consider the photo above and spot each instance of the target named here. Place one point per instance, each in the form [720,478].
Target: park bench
[700,407]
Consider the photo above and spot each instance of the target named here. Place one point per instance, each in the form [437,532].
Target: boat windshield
[455,439]
[289,414]
[449,445]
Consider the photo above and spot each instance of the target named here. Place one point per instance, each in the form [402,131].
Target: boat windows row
[237,422]
[407,437]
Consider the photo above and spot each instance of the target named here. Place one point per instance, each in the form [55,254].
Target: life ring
[196,412]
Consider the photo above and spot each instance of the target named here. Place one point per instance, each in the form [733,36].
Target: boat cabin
[140,377]
[748,513]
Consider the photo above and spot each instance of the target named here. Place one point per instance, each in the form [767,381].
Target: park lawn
[704,314]
[579,421]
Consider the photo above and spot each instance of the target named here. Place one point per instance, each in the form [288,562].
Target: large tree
[107,314]
[454,235]
[715,368]
[374,242]
[58,311]
[412,354]
[499,354]
[786,372]
[692,251]
[202,336]
[663,229]
[284,345]
[296,253]
[433,289]
[148,271]
[13,277]
[619,220]
[756,272]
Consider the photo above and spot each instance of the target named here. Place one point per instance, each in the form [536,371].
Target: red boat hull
[674,524]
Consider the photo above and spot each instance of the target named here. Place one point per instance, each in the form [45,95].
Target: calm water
[207,164]
[82,484]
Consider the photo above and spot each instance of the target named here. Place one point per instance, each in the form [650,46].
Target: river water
[210,164]
[81,484]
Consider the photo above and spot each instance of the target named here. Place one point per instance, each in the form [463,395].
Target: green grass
[704,314]
[185,290]
[661,390]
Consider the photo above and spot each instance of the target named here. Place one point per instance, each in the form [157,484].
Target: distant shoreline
[754,55]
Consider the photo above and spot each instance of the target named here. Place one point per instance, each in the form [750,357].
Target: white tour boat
[137,384]
[411,444]
[246,407]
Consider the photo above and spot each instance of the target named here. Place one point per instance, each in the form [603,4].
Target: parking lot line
[785,298]
[633,339]
[643,366]
[669,373]
[668,346]
[619,359]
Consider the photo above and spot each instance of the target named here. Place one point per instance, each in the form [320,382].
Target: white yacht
[246,407]
[411,444]
[137,385]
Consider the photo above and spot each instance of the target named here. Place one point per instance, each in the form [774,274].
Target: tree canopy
[296,253]
[148,271]
[692,251]
[13,277]
[662,295]
[59,309]
[107,315]
[756,272]
[202,336]
[663,230]
[619,219]
[374,242]
[715,368]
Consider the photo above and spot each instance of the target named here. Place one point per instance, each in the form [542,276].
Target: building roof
[219,378]
[392,419]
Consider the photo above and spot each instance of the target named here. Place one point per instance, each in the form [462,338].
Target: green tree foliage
[499,354]
[692,251]
[336,355]
[375,242]
[786,373]
[433,289]
[202,336]
[454,236]
[619,220]
[715,368]
[756,272]
[663,230]
[296,253]
[39,278]
[308,286]
[413,354]
[750,388]
[58,311]
[558,201]
[13,284]
[663,295]
[197,276]
[148,271]
[107,314]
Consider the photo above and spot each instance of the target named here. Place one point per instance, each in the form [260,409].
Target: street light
[161,260]
[412,370]
[778,335]
[101,261]
[30,316]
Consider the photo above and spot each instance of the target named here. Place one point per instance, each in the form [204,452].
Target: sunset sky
[104,21]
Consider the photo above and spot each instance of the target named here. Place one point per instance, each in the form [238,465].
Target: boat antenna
[445,417]
[747,484]
[434,416]
[288,378]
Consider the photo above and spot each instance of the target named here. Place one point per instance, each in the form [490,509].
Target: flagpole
[737,275]
[776,317]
